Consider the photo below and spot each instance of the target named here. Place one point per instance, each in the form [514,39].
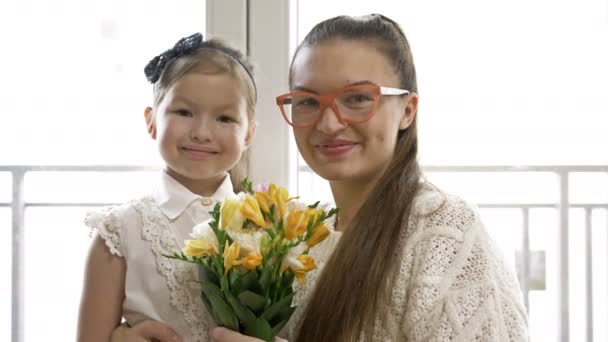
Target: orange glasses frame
[329,101]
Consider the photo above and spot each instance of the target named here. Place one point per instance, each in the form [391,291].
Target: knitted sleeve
[461,288]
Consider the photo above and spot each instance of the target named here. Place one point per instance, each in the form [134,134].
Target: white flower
[291,259]
[249,241]
[294,205]
[203,232]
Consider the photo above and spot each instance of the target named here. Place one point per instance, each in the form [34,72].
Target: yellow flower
[252,261]
[251,210]
[231,254]
[264,201]
[308,264]
[315,213]
[295,224]
[279,196]
[290,260]
[197,248]
[230,215]
[319,234]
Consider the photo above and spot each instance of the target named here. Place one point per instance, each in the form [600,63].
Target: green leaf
[206,274]
[274,309]
[261,329]
[283,316]
[243,313]
[277,328]
[247,185]
[266,278]
[249,282]
[209,307]
[313,206]
[232,278]
[252,300]
[222,311]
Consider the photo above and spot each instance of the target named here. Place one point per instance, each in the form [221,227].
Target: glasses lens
[301,109]
[356,104]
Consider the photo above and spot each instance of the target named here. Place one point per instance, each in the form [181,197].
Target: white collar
[173,198]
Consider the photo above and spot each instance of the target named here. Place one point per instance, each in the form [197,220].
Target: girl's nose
[200,130]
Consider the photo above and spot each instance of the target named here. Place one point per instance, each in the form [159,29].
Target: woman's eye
[310,101]
[359,98]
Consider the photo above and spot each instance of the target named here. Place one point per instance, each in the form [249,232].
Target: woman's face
[343,152]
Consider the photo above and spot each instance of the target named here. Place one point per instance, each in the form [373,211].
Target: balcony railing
[18,204]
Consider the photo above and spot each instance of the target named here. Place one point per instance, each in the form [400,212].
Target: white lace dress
[141,232]
[453,283]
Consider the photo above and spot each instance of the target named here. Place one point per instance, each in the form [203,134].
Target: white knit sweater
[453,283]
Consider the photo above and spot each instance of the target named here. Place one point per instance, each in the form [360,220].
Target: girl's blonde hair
[222,58]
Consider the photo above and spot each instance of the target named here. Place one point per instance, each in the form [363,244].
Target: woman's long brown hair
[367,255]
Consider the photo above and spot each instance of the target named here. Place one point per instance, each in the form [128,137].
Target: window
[511,83]
[77,94]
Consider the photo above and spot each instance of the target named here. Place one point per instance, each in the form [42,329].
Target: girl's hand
[226,335]
[146,331]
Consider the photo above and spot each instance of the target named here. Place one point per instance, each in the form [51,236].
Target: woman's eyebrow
[301,88]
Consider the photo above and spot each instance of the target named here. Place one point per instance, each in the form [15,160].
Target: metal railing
[563,206]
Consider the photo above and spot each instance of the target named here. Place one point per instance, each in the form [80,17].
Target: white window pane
[505,227]
[97,187]
[578,272]
[75,77]
[499,187]
[6,187]
[313,188]
[504,94]
[589,187]
[543,317]
[6,258]
[56,245]
[600,274]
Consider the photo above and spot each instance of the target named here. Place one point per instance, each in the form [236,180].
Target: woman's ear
[409,113]
[150,122]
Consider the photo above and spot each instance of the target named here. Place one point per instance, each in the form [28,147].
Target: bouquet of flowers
[249,254]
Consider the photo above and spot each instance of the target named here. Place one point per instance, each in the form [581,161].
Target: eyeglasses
[352,105]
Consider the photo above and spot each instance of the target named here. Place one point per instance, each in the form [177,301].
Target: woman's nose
[330,122]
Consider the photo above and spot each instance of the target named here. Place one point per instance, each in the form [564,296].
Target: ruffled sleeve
[106,223]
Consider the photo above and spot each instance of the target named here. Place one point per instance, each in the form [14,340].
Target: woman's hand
[146,331]
[226,335]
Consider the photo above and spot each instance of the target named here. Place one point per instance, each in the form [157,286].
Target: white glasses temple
[393,91]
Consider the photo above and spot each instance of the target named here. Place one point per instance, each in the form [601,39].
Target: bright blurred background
[512,117]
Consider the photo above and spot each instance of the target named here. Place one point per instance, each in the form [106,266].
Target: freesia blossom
[231,218]
[249,242]
[231,254]
[251,210]
[252,261]
[319,233]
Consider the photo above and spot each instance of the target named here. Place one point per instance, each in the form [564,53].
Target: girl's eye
[226,119]
[183,112]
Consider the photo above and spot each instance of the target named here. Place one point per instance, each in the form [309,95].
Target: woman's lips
[335,148]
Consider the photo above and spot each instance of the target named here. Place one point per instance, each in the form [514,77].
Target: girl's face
[338,151]
[202,127]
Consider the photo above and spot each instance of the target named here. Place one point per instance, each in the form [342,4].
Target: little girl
[202,119]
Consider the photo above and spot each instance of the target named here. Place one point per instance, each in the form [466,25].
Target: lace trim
[179,275]
[105,222]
